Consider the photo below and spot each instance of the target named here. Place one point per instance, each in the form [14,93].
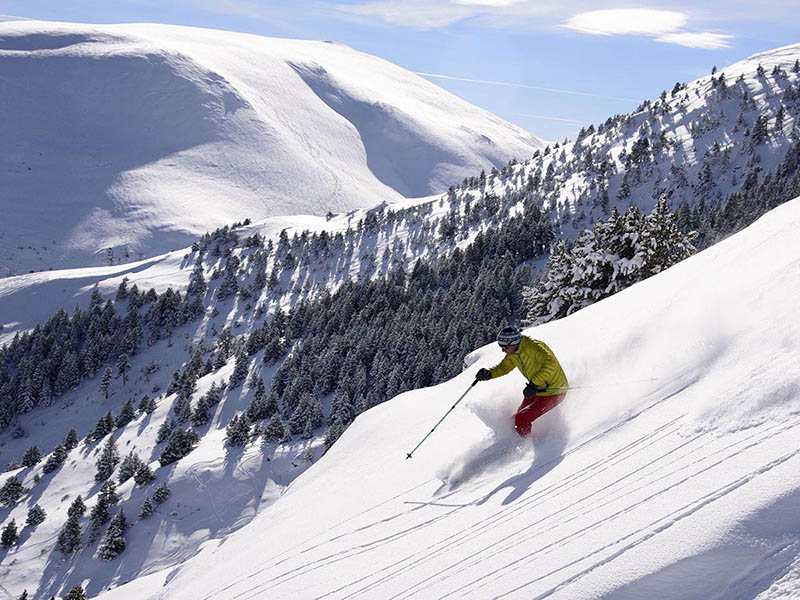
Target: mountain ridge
[162,133]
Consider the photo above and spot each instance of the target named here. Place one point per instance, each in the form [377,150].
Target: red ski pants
[533,408]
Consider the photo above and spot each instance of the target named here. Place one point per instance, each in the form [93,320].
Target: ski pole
[585,387]
[442,419]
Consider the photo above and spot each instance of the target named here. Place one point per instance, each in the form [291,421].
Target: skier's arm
[505,366]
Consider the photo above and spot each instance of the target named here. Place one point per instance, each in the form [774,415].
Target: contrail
[553,118]
[523,85]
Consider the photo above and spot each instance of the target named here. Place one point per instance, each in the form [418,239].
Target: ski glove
[530,390]
[483,375]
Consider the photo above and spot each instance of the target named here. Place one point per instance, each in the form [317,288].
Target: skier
[541,369]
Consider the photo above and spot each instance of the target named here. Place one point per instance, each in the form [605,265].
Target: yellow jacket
[537,363]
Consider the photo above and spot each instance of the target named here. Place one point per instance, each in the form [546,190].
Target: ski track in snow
[678,462]
[586,472]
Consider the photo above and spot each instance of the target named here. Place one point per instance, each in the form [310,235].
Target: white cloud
[488,2]
[627,21]
[705,40]
[666,26]
[416,13]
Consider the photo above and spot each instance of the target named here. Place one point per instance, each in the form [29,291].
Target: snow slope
[672,471]
[140,137]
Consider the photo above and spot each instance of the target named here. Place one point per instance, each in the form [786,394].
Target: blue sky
[550,66]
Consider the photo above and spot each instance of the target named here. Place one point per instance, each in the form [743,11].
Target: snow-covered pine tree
[146,405]
[36,515]
[200,413]
[274,431]
[161,493]
[165,430]
[179,444]
[11,491]
[126,414]
[147,508]
[239,370]
[76,593]
[238,431]
[69,537]
[107,462]
[307,414]
[71,441]
[9,535]
[662,243]
[31,457]
[114,543]
[105,385]
[182,408]
[77,508]
[130,464]
[123,366]
[144,474]
[100,513]
[103,427]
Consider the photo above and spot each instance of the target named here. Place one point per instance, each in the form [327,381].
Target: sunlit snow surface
[140,137]
[671,472]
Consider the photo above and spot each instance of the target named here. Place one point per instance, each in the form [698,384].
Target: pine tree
[129,466]
[165,429]
[77,508]
[239,370]
[103,427]
[274,431]
[123,366]
[10,535]
[11,491]
[307,415]
[126,414]
[71,441]
[179,444]
[332,433]
[76,593]
[69,538]
[238,430]
[113,543]
[201,414]
[182,408]
[31,457]
[36,515]
[147,508]
[161,494]
[144,474]
[56,459]
[101,513]
[108,375]
[109,457]
[147,405]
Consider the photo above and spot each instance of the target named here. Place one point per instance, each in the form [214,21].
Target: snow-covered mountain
[125,141]
[697,143]
[672,471]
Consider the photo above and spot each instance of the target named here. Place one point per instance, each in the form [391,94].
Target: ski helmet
[509,336]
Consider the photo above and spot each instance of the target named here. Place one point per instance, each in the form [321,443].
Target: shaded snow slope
[140,137]
[671,472]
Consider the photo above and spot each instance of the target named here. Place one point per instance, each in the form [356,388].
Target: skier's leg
[533,408]
[522,423]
